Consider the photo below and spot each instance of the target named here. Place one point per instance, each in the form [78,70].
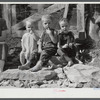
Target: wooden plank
[40,9]
[66,11]
[13,11]
[7,15]
[37,16]
[20,33]
[80,18]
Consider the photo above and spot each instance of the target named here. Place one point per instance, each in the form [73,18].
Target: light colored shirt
[29,44]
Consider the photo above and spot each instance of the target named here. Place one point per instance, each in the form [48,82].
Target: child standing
[66,48]
[29,47]
[48,43]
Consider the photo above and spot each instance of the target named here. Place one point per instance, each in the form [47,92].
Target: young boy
[29,47]
[66,48]
[48,43]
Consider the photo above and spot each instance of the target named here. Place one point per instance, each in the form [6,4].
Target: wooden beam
[80,17]
[13,11]
[37,16]
[7,15]
[66,11]
[40,9]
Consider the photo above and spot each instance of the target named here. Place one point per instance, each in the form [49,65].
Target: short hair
[28,22]
[49,17]
[63,20]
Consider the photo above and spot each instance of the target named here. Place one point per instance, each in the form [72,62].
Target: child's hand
[48,31]
[70,45]
[65,46]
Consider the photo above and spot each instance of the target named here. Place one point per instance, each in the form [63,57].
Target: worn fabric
[47,54]
[29,43]
[66,38]
[46,40]
[34,57]
[49,48]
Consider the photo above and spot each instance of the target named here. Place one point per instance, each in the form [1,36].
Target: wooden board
[37,16]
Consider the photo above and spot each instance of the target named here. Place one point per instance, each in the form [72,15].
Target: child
[29,47]
[48,43]
[66,48]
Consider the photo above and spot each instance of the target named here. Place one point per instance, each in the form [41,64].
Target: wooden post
[80,17]
[13,11]
[80,21]
[40,9]
[66,11]
[7,15]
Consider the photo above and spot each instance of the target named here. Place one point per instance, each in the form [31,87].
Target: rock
[95,62]
[96,75]
[65,83]
[59,82]
[87,85]
[61,76]
[72,85]
[93,84]
[38,83]
[11,74]
[89,72]
[80,85]
[82,67]
[50,82]
[6,83]
[17,83]
[27,75]
[45,82]
[35,86]
[26,84]
[44,86]
[53,86]
[60,73]
[75,75]
[58,70]
[46,75]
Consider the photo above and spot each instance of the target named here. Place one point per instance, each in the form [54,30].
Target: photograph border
[57,91]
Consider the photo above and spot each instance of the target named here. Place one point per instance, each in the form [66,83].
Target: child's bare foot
[70,63]
[23,67]
[35,68]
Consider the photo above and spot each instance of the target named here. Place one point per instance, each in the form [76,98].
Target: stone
[50,82]
[11,74]
[35,86]
[47,75]
[61,76]
[60,73]
[72,85]
[96,75]
[80,85]
[58,70]
[17,83]
[93,84]
[44,86]
[75,75]
[59,82]
[82,66]
[38,83]
[16,74]
[65,83]
[6,83]
[89,72]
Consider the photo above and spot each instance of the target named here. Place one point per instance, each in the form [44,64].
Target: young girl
[48,43]
[29,47]
[66,48]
